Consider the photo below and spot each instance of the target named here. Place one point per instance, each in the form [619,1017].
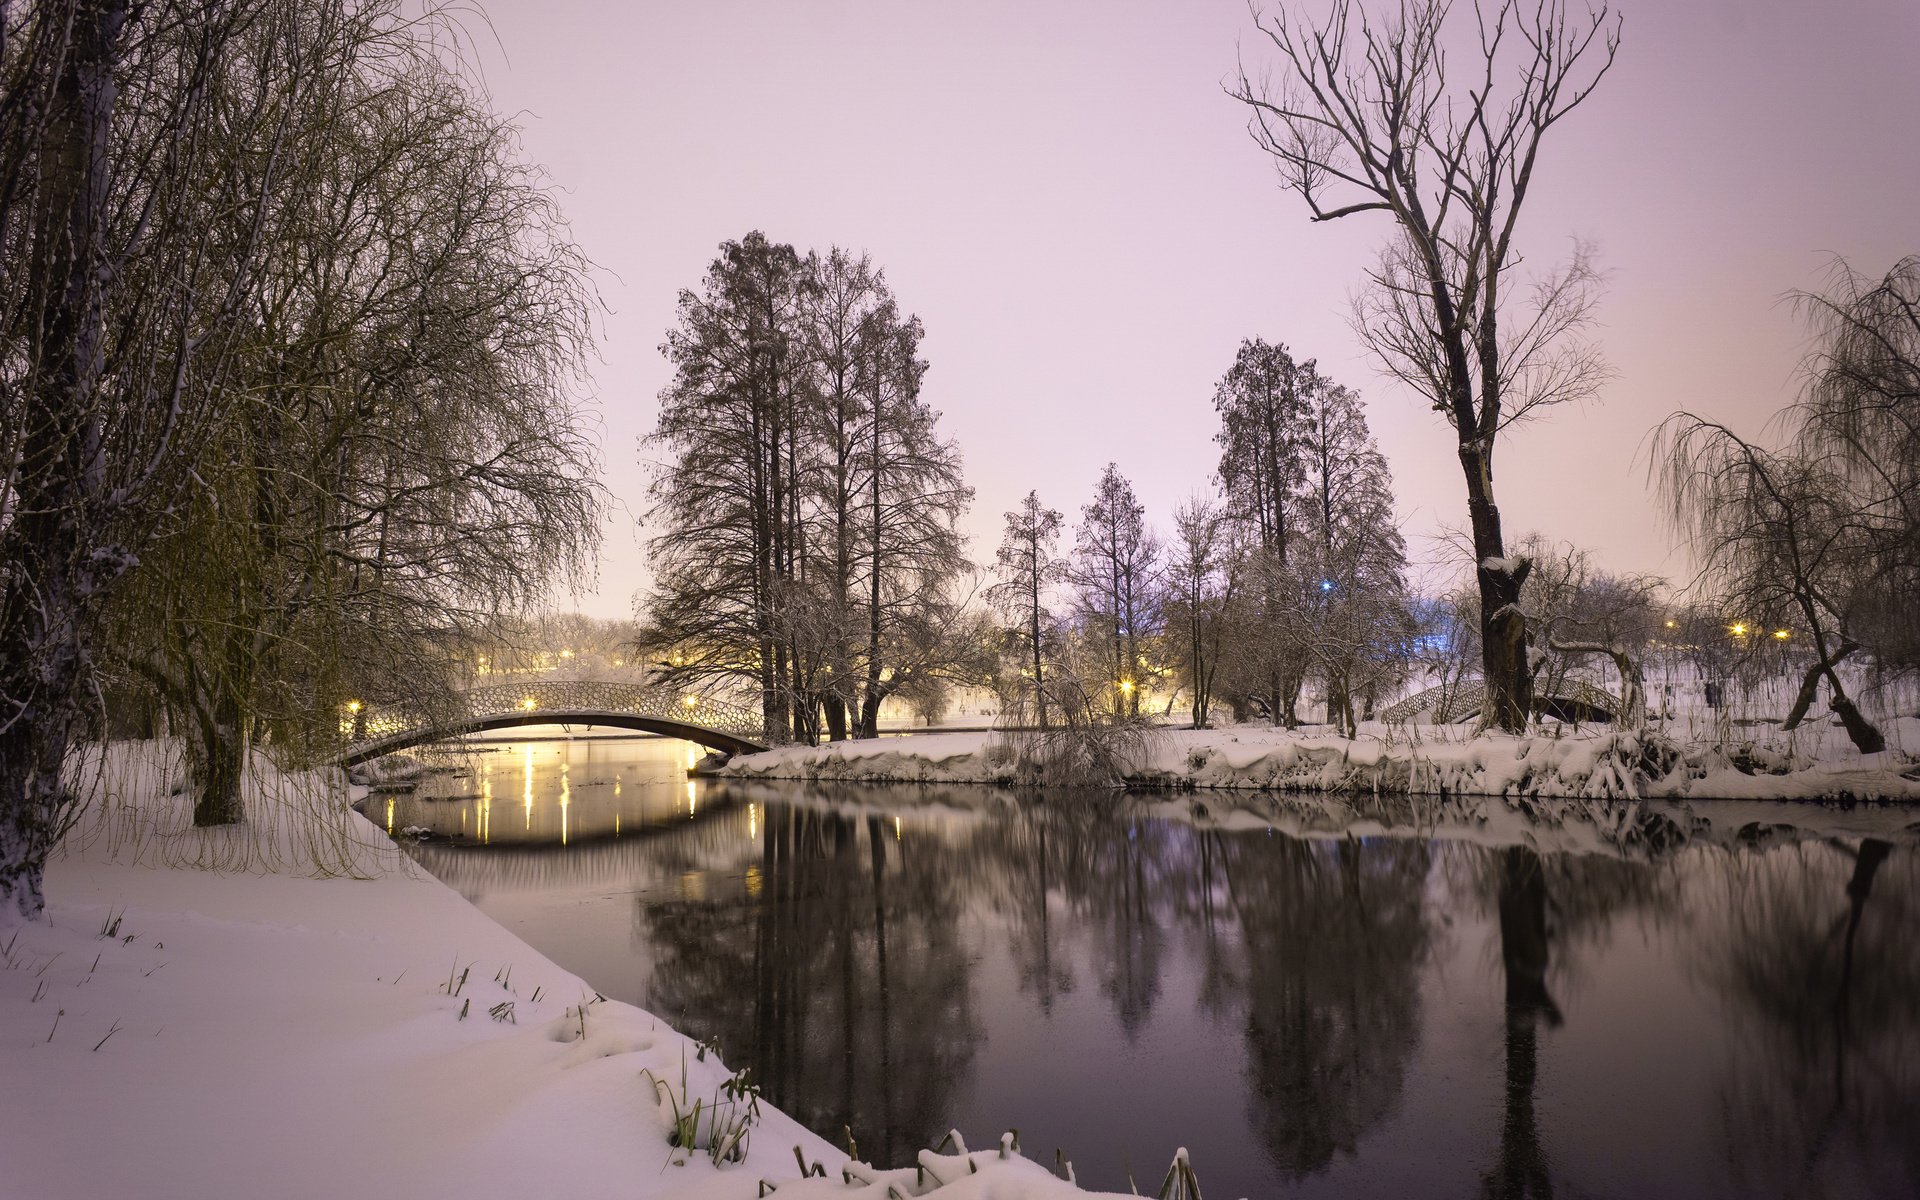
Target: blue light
[1326,585]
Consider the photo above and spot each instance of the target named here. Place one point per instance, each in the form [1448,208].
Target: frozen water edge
[289,1009]
[1605,764]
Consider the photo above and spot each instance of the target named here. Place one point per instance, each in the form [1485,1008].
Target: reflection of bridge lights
[693,798]
[753,821]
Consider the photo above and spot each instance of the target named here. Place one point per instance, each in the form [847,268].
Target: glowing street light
[690,701]
[1781,635]
[353,706]
[528,704]
[1738,629]
[1126,685]
[1326,585]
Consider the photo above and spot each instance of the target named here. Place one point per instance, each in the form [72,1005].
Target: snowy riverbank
[1428,761]
[290,1009]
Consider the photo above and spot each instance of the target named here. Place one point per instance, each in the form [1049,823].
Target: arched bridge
[1573,700]
[713,723]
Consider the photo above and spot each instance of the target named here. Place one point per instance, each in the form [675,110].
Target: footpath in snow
[1604,764]
[290,1009]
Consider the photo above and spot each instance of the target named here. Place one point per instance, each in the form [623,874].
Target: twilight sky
[1061,191]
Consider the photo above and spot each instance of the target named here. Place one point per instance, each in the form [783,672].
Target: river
[1341,1014]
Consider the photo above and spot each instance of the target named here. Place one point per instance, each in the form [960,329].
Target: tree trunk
[1810,684]
[1866,738]
[1503,627]
[61,488]
[222,765]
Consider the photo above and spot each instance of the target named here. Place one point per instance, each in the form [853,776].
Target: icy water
[1737,1014]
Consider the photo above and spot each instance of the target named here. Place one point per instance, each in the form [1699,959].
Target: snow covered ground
[1420,760]
[288,1009]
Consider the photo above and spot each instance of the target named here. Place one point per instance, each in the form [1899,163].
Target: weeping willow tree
[120,316]
[403,460]
[1861,414]
[1820,534]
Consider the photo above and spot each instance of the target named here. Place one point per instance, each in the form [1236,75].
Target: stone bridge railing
[731,727]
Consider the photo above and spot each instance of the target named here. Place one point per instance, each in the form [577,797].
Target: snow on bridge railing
[1466,699]
[559,700]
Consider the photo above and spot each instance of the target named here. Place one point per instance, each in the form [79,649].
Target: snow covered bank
[318,1019]
[1603,765]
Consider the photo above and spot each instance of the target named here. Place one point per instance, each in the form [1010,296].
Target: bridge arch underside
[710,738]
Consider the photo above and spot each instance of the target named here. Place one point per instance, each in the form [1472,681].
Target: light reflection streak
[526,758]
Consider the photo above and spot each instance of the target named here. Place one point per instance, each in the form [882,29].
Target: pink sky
[1065,196]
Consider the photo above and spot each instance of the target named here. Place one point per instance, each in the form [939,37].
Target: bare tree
[373,505]
[1598,614]
[1262,401]
[1367,118]
[1200,580]
[808,511]
[1779,537]
[1028,566]
[727,502]
[119,312]
[1113,572]
[1861,414]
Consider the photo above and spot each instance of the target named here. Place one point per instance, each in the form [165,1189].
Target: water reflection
[1319,1015]
[1815,957]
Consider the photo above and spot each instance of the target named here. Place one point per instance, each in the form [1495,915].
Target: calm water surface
[1327,1016]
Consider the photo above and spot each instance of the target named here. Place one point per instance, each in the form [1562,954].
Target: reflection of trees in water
[1335,934]
[1553,912]
[836,971]
[1522,1169]
[1815,956]
[1127,890]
